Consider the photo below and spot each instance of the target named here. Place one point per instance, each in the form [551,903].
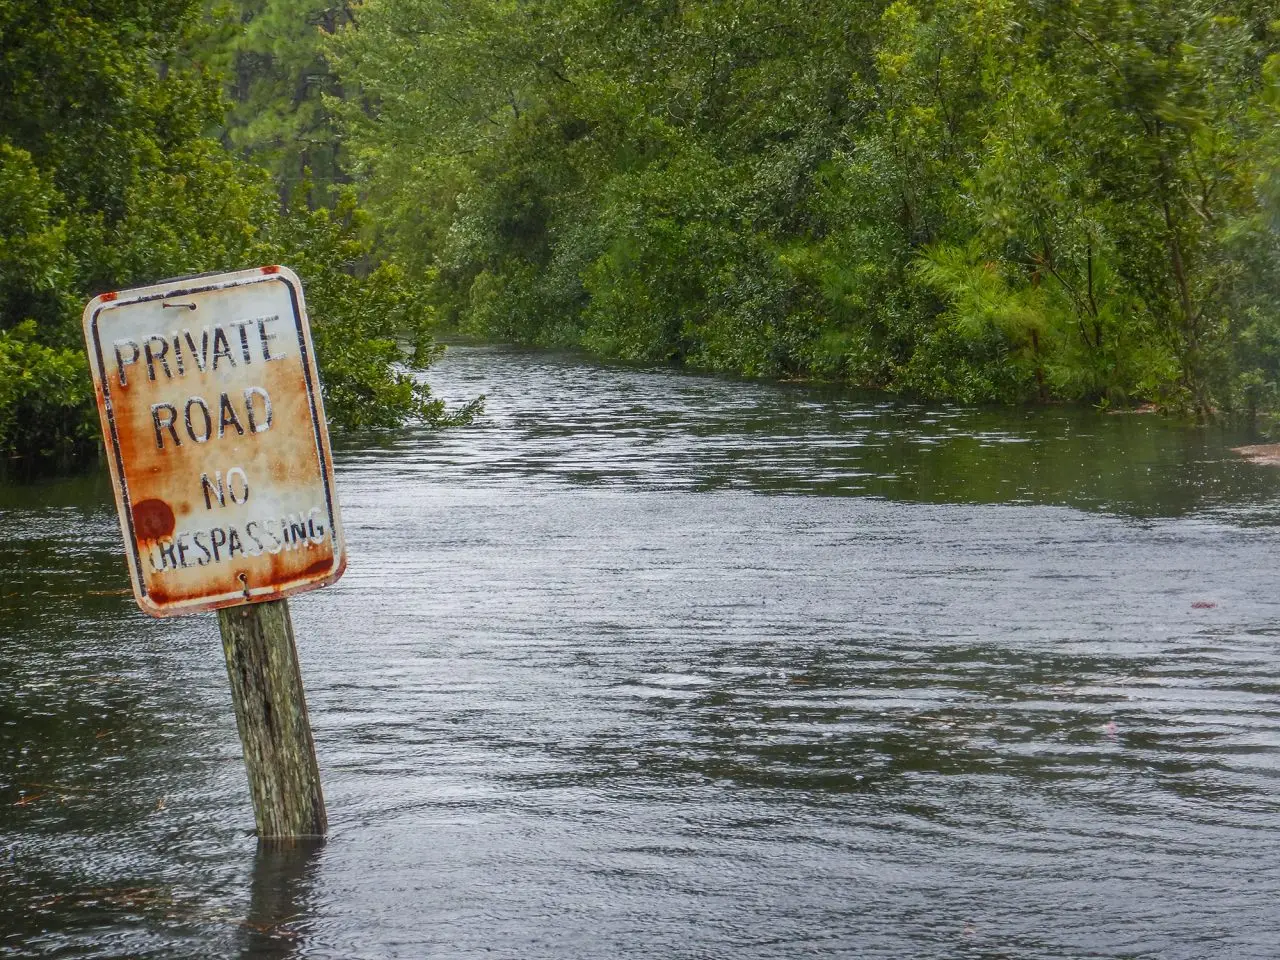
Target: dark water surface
[648,665]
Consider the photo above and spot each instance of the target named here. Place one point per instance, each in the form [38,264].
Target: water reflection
[555,418]
[277,926]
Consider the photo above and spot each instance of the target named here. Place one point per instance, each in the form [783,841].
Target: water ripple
[679,667]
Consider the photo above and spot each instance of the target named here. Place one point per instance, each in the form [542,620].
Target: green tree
[980,199]
[271,52]
[109,179]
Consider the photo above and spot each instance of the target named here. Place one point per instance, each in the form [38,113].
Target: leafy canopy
[978,199]
[110,178]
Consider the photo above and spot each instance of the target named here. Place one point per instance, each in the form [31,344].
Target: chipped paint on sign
[216,439]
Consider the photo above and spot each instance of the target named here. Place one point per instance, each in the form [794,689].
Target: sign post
[219,454]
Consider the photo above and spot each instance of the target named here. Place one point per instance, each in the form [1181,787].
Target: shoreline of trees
[979,200]
[1003,201]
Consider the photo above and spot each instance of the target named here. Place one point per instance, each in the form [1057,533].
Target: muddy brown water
[652,665]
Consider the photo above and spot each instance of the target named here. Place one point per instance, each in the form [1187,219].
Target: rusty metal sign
[216,439]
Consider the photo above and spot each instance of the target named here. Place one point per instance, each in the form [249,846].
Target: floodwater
[653,665]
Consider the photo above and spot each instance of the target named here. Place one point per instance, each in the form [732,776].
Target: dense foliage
[271,53]
[977,199]
[111,176]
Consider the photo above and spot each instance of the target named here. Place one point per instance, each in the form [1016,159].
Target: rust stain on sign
[216,439]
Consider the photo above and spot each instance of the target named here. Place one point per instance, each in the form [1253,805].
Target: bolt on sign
[216,439]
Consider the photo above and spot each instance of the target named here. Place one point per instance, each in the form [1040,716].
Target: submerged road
[653,665]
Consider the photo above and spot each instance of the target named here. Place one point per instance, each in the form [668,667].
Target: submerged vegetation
[980,200]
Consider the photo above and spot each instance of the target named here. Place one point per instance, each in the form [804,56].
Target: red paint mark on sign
[108,297]
[153,519]
[271,269]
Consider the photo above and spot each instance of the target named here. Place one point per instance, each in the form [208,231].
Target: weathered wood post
[216,439]
[271,712]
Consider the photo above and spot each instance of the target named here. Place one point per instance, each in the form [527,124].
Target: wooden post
[271,712]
